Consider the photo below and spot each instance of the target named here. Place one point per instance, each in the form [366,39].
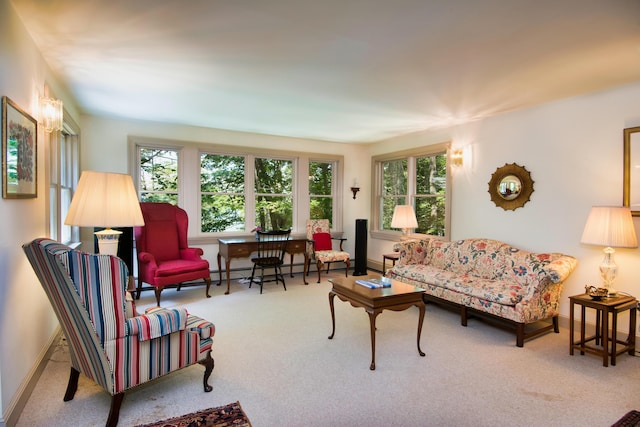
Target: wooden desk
[243,247]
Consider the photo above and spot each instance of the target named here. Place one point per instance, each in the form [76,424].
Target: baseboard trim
[18,403]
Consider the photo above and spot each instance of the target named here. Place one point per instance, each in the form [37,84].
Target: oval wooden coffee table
[398,297]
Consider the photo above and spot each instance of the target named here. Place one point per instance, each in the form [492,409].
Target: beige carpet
[272,354]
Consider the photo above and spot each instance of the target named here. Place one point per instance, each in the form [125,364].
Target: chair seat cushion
[331,256]
[180,266]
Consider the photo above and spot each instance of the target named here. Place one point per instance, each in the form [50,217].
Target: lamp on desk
[105,199]
[611,227]
[405,218]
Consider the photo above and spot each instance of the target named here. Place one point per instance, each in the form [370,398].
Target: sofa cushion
[483,258]
[506,292]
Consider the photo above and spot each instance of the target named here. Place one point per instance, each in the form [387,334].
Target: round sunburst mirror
[510,186]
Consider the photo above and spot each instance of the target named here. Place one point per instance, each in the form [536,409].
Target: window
[273,189]
[233,189]
[418,178]
[63,177]
[222,193]
[321,190]
[158,175]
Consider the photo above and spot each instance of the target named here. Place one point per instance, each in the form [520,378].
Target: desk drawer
[239,251]
[296,246]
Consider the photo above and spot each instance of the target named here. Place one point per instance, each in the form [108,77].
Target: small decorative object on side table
[603,306]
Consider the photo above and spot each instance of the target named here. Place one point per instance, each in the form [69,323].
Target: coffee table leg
[372,322]
[333,315]
[420,321]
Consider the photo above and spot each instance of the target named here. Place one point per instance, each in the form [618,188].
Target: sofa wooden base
[523,331]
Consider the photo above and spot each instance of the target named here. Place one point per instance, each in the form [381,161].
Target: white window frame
[64,173]
[189,194]
[376,184]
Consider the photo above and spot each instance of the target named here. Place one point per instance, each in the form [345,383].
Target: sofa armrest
[544,295]
[561,268]
[412,252]
[157,322]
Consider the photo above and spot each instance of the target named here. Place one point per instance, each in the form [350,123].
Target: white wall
[27,322]
[574,151]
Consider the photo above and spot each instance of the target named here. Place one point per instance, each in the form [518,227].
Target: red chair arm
[147,258]
[192,254]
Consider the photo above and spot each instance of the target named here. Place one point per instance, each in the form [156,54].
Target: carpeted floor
[272,354]
[230,415]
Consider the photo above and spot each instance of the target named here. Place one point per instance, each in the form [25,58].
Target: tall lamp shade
[611,227]
[104,199]
[405,218]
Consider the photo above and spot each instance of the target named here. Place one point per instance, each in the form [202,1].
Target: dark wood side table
[392,257]
[604,307]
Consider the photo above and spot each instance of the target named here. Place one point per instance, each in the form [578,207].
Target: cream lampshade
[611,227]
[405,218]
[105,199]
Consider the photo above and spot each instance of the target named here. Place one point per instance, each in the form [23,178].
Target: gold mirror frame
[631,149]
[526,188]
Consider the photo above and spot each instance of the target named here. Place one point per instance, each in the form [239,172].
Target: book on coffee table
[382,282]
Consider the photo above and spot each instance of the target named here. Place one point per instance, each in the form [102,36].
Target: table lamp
[611,227]
[105,199]
[405,218]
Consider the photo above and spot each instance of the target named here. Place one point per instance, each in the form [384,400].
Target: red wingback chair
[164,257]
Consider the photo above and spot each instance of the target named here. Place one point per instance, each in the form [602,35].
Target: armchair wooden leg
[346,273]
[158,291]
[139,289]
[319,269]
[208,280]
[72,385]
[114,412]
[208,368]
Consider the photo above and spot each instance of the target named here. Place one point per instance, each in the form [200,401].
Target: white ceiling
[338,70]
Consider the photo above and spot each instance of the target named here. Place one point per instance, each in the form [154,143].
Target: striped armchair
[108,341]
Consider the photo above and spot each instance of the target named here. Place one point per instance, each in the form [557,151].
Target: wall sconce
[457,158]
[51,114]
[355,191]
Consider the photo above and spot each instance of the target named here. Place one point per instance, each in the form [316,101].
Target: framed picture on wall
[19,148]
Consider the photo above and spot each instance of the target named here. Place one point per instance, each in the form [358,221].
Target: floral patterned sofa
[488,277]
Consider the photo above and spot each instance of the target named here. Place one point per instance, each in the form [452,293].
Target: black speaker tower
[361,248]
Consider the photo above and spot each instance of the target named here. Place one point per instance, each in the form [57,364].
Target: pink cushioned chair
[320,246]
[164,257]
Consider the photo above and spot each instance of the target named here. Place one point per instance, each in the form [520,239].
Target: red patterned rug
[230,415]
